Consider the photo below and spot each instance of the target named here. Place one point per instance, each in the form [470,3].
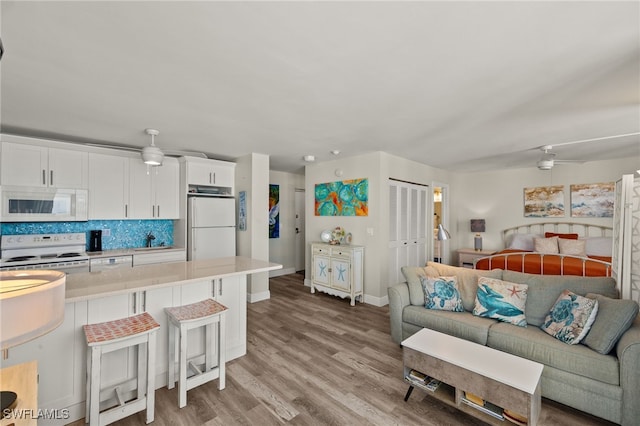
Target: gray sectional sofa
[605,385]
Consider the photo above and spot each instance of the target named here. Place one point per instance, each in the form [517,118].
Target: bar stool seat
[206,313]
[139,330]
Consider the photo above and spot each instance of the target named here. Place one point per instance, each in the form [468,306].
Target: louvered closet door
[407,227]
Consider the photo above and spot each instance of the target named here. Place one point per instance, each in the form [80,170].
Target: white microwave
[26,204]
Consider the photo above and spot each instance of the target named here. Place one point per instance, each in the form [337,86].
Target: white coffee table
[505,380]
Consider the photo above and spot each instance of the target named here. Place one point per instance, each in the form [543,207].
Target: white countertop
[93,285]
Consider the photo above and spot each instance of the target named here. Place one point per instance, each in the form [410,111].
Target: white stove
[60,252]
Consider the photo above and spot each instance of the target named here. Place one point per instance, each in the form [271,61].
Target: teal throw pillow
[501,300]
[570,317]
[615,316]
[441,294]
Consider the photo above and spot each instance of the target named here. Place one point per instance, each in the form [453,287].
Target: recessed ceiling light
[309,158]
[335,152]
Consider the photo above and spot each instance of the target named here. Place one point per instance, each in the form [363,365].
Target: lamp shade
[152,155]
[477,225]
[443,234]
[31,304]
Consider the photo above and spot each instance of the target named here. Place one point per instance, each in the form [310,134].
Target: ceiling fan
[548,160]
[152,154]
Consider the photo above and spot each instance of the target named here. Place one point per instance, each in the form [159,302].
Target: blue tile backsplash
[124,233]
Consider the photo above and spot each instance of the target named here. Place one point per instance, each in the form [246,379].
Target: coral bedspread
[547,264]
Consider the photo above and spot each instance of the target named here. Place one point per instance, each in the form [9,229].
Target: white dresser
[338,270]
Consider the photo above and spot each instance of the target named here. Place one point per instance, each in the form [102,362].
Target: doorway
[300,247]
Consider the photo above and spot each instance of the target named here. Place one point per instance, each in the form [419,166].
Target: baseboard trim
[279,272]
[257,297]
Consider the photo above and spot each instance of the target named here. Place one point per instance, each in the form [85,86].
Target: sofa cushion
[467,280]
[501,300]
[459,324]
[536,345]
[412,274]
[544,290]
[570,317]
[441,294]
[614,317]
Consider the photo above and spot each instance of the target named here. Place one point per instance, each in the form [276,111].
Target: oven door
[68,267]
[25,204]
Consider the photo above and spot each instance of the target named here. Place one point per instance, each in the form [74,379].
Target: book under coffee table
[504,380]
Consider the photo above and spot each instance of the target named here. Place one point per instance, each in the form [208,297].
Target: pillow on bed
[572,247]
[563,236]
[522,242]
[599,246]
[546,245]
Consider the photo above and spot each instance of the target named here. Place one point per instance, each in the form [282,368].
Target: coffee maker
[95,240]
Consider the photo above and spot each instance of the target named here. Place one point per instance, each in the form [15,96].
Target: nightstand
[466,256]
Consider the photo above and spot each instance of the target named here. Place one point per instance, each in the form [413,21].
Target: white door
[211,243]
[300,223]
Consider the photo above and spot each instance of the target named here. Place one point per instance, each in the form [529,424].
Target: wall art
[544,201]
[242,210]
[342,198]
[592,199]
[274,211]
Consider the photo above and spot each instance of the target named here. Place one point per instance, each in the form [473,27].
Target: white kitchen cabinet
[212,173]
[154,302]
[159,256]
[153,191]
[57,354]
[40,166]
[121,188]
[232,293]
[108,186]
[338,270]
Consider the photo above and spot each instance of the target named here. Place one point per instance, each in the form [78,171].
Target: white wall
[282,250]
[252,175]
[498,197]
[378,167]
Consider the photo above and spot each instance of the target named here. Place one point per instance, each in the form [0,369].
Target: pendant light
[152,155]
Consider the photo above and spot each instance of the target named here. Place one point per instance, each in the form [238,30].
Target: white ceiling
[463,86]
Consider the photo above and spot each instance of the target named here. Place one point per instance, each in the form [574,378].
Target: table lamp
[31,305]
[477,225]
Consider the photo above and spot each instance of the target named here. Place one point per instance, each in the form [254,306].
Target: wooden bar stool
[206,313]
[139,330]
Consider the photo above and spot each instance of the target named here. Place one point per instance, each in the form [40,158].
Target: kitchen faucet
[150,237]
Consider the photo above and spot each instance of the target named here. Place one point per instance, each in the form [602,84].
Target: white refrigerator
[211,224]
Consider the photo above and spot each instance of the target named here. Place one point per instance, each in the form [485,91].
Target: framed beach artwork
[592,199]
[342,198]
[544,201]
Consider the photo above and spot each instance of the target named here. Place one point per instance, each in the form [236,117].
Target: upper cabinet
[211,174]
[154,191]
[24,164]
[125,188]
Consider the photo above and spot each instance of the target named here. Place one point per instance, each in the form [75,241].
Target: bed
[554,248]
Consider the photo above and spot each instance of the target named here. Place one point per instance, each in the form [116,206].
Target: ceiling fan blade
[596,139]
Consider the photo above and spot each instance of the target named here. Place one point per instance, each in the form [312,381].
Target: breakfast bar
[95,297]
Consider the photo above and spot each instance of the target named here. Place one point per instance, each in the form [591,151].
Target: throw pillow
[561,236]
[441,294]
[501,300]
[412,275]
[572,247]
[546,245]
[570,317]
[615,316]
[522,242]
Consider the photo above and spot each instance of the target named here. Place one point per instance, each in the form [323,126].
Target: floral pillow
[501,300]
[570,317]
[441,294]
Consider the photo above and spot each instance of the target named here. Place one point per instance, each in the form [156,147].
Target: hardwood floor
[312,359]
